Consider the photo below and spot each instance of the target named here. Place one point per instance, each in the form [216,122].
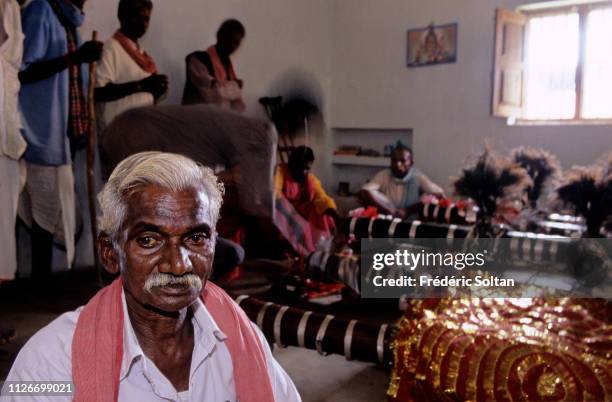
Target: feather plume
[588,191]
[542,167]
[489,180]
[605,163]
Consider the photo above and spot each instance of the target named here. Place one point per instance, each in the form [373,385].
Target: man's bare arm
[377,199]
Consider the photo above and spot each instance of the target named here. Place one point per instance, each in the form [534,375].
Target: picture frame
[434,44]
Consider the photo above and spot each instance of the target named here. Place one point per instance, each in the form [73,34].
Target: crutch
[285,141]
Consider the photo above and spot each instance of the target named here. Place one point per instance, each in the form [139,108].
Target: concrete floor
[318,378]
[332,378]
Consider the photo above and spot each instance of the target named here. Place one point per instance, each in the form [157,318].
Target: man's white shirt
[47,356]
[395,189]
[116,66]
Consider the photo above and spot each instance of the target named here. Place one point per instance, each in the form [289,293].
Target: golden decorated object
[503,350]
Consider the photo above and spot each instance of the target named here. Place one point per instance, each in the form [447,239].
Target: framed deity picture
[435,44]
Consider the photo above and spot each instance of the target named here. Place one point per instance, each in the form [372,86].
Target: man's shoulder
[110,54]
[421,177]
[383,174]
[48,351]
[201,56]
[53,339]
[111,47]
[37,9]
[111,43]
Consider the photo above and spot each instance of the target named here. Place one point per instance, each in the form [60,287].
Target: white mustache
[161,280]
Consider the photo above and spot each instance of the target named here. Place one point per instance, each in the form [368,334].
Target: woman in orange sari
[304,213]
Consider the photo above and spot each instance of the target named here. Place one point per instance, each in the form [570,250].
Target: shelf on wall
[359,160]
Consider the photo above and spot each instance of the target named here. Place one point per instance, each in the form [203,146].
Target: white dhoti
[49,200]
[11,182]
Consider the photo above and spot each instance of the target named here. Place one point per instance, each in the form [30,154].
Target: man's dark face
[78,3]
[401,162]
[228,44]
[136,23]
[166,235]
[299,169]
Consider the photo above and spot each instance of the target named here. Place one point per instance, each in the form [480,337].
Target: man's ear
[108,254]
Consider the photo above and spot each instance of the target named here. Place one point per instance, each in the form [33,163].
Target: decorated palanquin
[503,350]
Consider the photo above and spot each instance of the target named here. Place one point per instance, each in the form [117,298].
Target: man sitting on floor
[397,190]
[160,331]
[304,212]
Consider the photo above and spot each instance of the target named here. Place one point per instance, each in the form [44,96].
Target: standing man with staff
[53,105]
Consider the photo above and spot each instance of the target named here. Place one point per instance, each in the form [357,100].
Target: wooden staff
[91,157]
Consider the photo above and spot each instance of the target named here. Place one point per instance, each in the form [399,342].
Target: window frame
[583,10]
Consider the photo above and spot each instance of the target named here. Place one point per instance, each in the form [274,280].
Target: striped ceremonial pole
[325,333]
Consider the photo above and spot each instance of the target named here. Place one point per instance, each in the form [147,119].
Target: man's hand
[156,84]
[88,52]
[404,213]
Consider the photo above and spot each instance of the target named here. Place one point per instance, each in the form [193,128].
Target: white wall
[448,106]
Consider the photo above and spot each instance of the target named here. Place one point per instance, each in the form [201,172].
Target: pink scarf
[220,73]
[97,346]
[143,59]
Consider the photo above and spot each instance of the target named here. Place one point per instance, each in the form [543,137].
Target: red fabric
[77,115]
[220,73]
[295,215]
[301,196]
[143,59]
[294,228]
[231,222]
[78,120]
[97,347]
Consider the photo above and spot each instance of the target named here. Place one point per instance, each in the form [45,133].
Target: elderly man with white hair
[161,331]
